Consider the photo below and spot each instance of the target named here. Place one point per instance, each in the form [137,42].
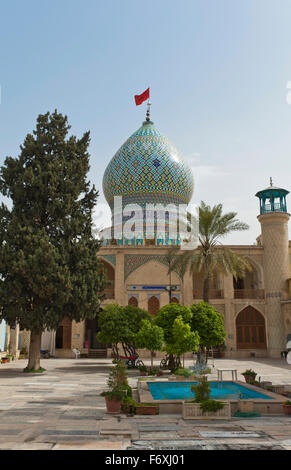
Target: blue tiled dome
[148,169]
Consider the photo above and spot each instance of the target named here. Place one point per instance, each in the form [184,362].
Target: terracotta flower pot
[113,405]
[249,378]
[287,409]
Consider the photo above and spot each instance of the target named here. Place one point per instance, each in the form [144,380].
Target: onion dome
[148,169]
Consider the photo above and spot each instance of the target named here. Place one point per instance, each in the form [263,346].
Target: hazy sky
[217,69]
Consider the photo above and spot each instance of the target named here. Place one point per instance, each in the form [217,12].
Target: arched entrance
[133,301]
[153,305]
[110,277]
[250,329]
[64,334]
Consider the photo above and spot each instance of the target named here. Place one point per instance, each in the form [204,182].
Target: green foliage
[208,323]
[211,405]
[287,402]
[117,376]
[167,315]
[201,390]
[48,264]
[183,339]
[249,372]
[41,369]
[182,372]
[150,336]
[120,325]
[118,386]
[211,255]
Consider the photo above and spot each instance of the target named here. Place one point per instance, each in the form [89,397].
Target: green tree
[184,340]
[120,325]
[211,255]
[113,326]
[48,263]
[165,319]
[151,337]
[210,326]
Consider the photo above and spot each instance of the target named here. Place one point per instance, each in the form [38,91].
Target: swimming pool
[218,390]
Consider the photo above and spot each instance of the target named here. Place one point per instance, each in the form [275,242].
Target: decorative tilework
[132,262]
[110,258]
[148,168]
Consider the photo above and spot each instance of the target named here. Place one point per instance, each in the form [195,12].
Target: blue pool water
[218,390]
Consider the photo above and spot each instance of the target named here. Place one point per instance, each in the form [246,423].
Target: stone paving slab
[98,445]
[67,399]
[239,434]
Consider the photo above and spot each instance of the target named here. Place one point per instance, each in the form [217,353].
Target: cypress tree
[49,268]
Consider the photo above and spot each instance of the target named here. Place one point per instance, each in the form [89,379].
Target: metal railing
[213,294]
[249,293]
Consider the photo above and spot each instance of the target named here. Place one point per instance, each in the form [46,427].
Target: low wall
[261,405]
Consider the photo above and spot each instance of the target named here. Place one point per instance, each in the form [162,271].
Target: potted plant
[118,388]
[4,360]
[143,370]
[128,405]
[249,375]
[287,407]
[23,353]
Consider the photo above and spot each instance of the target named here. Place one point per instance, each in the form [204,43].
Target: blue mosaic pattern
[148,168]
[110,258]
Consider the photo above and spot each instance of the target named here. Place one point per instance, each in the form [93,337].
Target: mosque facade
[148,170]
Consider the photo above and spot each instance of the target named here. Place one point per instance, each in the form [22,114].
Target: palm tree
[211,255]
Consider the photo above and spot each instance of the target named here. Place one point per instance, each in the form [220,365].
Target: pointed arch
[250,329]
[133,301]
[153,305]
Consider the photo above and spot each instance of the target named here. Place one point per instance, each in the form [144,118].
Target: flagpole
[148,117]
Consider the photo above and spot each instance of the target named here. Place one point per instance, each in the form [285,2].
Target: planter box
[147,410]
[194,411]
[113,405]
[246,406]
[287,409]
[278,389]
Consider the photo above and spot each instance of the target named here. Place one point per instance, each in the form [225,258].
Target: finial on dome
[148,118]
[271,181]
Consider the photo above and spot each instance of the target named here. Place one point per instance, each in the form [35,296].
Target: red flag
[139,99]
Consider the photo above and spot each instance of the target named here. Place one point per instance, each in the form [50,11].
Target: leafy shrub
[182,372]
[211,405]
[201,390]
[249,372]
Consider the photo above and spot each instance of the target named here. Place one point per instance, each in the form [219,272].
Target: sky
[219,73]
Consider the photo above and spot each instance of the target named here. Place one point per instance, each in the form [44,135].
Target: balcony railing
[213,294]
[249,293]
[109,293]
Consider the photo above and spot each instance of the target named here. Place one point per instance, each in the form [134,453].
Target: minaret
[274,225]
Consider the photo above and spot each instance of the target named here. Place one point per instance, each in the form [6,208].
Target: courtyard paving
[62,409]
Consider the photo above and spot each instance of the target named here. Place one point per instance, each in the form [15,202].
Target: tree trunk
[152,359]
[34,350]
[206,286]
[201,356]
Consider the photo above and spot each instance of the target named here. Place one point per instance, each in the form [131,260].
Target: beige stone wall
[78,334]
[276,272]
